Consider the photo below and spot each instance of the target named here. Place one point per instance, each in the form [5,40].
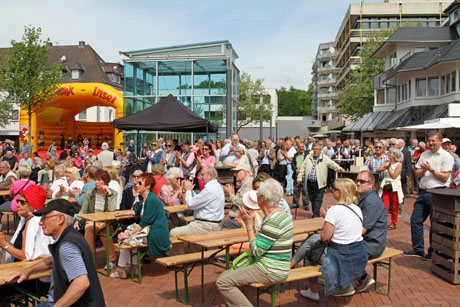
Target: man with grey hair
[12,160]
[207,206]
[74,279]
[7,176]
[60,184]
[105,155]
[228,153]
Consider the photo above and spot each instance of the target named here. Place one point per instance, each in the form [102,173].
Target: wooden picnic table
[71,199]
[227,238]
[5,193]
[104,217]
[177,209]
[10,268]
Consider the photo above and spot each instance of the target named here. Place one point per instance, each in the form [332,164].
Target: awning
[412,116]
[430,126]
[367,123]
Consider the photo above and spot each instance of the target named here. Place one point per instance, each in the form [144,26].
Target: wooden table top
[7,270]
[5,193]
[233,236]
[71,199]
[105,216]
[176,209]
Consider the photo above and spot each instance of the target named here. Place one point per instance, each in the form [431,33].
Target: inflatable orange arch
[56,119]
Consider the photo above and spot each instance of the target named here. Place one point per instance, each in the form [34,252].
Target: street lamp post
[261,117]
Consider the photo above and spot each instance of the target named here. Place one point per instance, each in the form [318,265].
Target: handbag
[136,239]
[246,258]
[388,187]
[317,247]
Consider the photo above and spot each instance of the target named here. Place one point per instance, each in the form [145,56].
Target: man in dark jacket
[299,188]
[406,162]
[72,262]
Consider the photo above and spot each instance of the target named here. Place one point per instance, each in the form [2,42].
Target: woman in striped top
[270,246]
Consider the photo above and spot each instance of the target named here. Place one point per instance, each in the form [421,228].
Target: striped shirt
[272,246]
[72,262]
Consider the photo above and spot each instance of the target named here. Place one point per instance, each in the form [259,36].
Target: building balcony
[324,95]
[324,69]
[326,82]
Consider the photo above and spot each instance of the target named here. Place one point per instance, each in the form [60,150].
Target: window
[443,85]
[82,115]
[433,86]
[453,83]
[380,96]
[409,90]
[324,117]
[421,87]
[75,74]
[393,60]
[448,83]
[419,49]
[15,115]
[399,93]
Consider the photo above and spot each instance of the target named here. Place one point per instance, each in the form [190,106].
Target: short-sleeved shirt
[348,227]
[72,263]
[375,221]
[440,161]
[291,153]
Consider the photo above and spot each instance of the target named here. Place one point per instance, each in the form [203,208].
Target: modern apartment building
[359,21]
[420,84]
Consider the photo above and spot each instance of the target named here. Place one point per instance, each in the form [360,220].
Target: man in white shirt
[289,179]
[434,170]
[105,155]
[60,184]
[228,153]
[207,206]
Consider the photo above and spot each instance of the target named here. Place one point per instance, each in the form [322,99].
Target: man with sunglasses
[377,159]
[74,280]
[374,223]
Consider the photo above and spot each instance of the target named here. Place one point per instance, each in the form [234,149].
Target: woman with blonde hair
[241,158]
[114,184]
[390,188]
[345,257]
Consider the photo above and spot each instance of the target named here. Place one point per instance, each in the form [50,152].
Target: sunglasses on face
[153,144]
[361,181]
[139,183]
[21,201]
[379,147]
[43,218]
[168,145]
[392,144]
[206,148]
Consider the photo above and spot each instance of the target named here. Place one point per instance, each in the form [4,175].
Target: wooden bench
[140,253]
[313,271]
[180,263]
[189,218]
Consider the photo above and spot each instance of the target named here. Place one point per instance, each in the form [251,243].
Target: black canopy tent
[169,114]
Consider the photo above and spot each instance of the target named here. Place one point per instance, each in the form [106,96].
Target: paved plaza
[413,284]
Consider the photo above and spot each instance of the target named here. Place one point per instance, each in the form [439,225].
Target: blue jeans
[44,304]
[230,224]
[289,180]
[422,210]
[316,197]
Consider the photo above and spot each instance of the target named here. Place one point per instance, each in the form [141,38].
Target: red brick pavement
[413,284]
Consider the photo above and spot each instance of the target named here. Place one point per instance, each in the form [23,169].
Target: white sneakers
[308,294]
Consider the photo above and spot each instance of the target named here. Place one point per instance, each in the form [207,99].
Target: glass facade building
[202,76]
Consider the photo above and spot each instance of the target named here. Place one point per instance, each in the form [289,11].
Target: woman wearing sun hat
[28,242]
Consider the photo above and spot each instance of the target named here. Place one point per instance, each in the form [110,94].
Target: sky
[275,40]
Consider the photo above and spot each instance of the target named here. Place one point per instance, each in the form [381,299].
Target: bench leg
[386,266]
[186,273]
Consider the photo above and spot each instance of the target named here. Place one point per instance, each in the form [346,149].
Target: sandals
[391,227]
[119,273]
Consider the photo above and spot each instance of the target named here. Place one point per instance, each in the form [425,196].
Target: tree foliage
[356,99]
[294,102]
[25,77]
[248,107]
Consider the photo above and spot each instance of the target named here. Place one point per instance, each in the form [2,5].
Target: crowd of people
[48,194]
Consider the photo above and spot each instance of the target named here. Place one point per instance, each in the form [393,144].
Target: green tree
[26,77]
[356,99]
[294,102]
[6,111]
[248,107]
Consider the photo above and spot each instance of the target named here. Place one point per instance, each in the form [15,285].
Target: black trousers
[265,168]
